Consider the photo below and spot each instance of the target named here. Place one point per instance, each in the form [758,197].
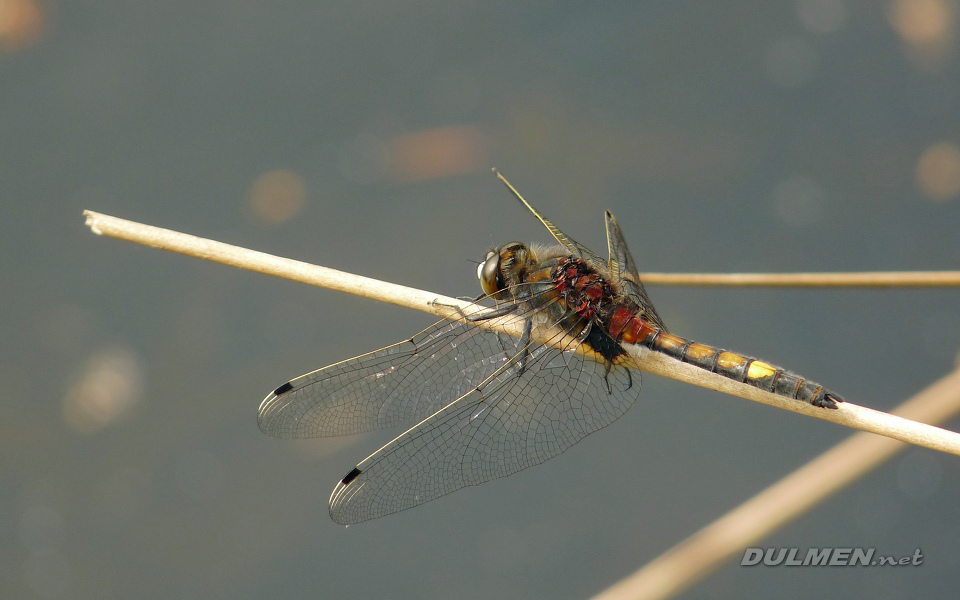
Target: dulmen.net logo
[826,557]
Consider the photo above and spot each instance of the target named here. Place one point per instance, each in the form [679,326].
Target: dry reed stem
[700,554]
[849,415]
[881,279]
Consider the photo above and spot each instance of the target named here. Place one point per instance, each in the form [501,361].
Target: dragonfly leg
[606,377]
[525,346]
[629,378]
[487,313]
[490,313]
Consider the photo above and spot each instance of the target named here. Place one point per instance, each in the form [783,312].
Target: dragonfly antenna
[558,235]
[512,189]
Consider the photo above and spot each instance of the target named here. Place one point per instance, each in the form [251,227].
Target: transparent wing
[622,269]
[518,418]
[398,385]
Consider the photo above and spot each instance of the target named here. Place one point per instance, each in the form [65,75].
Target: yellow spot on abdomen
[729,360]
[670,341]
[759,369]
[699,351]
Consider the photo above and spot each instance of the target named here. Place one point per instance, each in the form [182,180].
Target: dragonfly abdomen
[627,326]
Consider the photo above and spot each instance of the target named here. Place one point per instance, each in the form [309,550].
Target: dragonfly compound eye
[491,281]
[501,267]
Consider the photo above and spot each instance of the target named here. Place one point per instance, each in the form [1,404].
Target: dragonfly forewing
[398,385]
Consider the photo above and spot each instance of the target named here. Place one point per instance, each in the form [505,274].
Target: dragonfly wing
[398,385]
[622,269]
[516,419]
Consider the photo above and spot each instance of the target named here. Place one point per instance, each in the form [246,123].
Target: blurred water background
[804,135]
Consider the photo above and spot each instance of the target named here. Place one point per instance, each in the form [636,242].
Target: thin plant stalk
[886,279]
[848,414]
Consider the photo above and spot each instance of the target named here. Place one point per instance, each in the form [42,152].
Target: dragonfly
[477,404]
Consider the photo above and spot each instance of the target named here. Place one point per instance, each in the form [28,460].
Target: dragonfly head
[498,263]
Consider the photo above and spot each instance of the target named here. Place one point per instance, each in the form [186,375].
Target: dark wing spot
[283,389]
[350,476]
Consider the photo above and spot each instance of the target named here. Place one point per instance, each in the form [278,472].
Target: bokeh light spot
[277,196]
[437,153]
[108,387]
[921,21]
[928,30]
[938,171]
[21,22]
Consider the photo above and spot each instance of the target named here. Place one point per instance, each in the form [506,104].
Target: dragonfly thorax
[567,291]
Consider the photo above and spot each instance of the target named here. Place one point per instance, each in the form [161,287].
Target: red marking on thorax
[587,293]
